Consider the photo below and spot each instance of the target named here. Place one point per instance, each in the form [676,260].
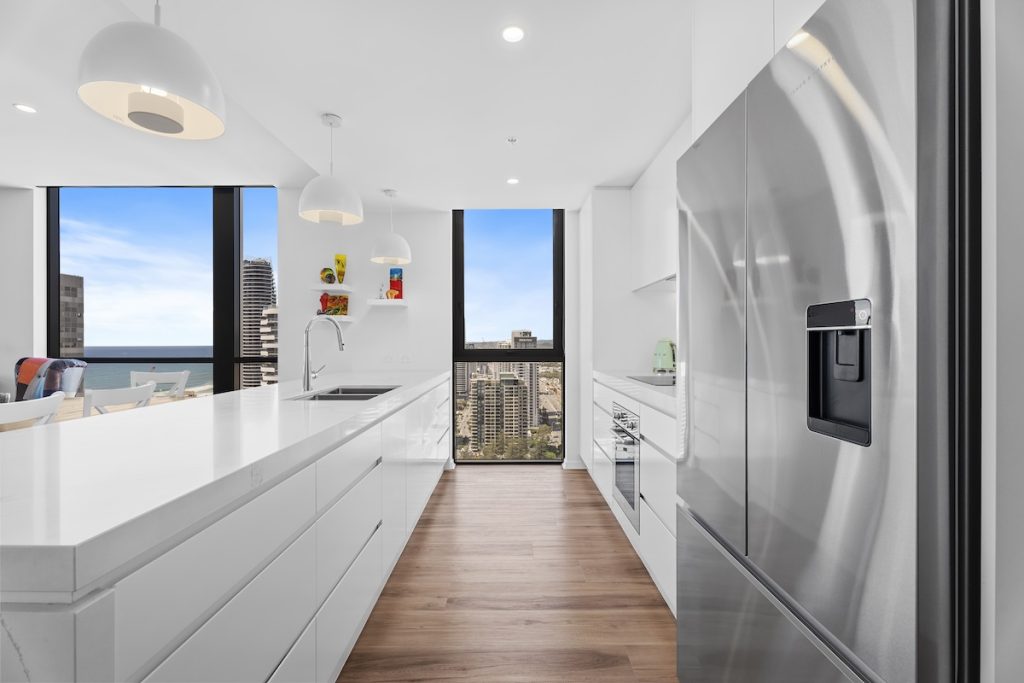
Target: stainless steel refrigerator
[813,532]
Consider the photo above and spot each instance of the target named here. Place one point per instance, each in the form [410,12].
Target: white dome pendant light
[328,199]
[391,249]
[148,78]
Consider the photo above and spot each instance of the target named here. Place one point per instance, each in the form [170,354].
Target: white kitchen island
[239,537]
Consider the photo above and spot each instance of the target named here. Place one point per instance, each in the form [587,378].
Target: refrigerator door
[711,476]
[732,631]
[831,186]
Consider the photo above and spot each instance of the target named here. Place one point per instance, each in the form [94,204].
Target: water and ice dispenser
[839,370]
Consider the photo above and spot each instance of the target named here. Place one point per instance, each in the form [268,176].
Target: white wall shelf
[324,287]
[388,303]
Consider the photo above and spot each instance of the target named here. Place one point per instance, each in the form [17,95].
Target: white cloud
[138,295]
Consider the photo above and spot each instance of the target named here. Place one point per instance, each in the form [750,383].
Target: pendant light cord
[156,13]
[391,213]
[332,150]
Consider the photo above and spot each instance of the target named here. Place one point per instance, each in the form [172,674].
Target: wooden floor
[517,573]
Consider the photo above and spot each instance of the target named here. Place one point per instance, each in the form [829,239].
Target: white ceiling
[428,90]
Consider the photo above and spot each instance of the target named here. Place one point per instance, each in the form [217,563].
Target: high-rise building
[529,373]
[258,294]
[498,409]
[268,337]
[462,371]
[72,315]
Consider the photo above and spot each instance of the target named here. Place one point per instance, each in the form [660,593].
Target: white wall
[1002,608]
[22,279]
[583,354]
[418,337]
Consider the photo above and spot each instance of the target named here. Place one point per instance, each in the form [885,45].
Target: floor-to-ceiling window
[508,351]
[165,279]
[258,287]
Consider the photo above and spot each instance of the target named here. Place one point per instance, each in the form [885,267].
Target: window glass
[136,280]
[508,278]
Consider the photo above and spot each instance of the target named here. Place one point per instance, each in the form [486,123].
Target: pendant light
[148,78]
[391,249]
[328,199]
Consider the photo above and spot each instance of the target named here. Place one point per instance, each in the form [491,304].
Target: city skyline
[508,410]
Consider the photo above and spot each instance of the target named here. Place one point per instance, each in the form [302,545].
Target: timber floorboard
[517,573]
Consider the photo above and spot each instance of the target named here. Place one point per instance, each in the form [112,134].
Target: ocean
[114,375]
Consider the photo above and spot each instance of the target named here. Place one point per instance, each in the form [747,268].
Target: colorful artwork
[334,304]
[395,290]
[327,276]
[340,261]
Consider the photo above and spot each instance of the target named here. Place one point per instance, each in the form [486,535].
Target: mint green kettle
[665,356]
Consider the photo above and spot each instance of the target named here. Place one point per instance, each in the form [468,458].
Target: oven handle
[622,437]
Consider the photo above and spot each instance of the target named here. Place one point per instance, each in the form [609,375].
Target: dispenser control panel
[839,370]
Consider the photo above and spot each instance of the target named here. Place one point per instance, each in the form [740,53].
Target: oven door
[627,475]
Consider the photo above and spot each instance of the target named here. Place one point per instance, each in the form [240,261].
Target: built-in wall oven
[626,430]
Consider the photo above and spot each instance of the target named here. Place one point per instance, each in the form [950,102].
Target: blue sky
[146,256]
[508,267]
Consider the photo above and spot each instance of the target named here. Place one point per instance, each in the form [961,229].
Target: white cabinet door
[790,15]
[658,484]
[603,430]
[341,468]
[732,41]
[394,445]
[247,638]
[658,551]
[299,665]
[602,472]
[342,531]
[161,602]
[342,616]
[654,215]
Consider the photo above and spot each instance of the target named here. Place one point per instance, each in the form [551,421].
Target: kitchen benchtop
[662,399]
[83,500]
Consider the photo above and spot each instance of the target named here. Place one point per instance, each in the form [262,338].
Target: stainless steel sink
[346,394]
[664,380]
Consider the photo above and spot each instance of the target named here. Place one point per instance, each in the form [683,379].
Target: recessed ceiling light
[512,34]
[512,181]
[27,109]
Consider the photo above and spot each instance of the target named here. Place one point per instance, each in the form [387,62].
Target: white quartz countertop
[659,398]
[82,500]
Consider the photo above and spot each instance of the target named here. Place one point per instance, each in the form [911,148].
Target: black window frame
[460,354]
[227,235]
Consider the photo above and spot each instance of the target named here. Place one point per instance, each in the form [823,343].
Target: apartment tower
[258,295]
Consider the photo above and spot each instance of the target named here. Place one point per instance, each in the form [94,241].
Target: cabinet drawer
[658,551]
[604,397]
[246,639]
[341,618]
[602,472]
[658,484]
[164,600]
[340,468]
[299,665]
[603,430]
[658,428]
[342,531]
